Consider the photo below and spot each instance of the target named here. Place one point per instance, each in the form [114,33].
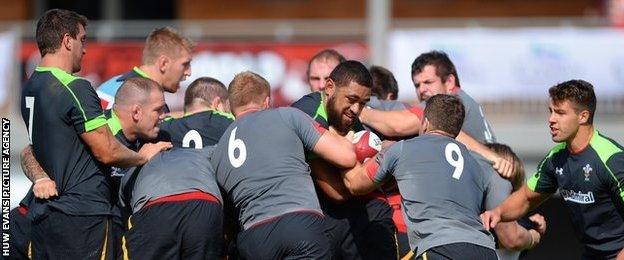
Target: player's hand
[540,223]
[490,218]
[503,167]
[45,188]
[150,149]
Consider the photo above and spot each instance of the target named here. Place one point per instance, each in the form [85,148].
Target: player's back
[442,188]
[260,163]
[176,171]
[196,130]
[57,107]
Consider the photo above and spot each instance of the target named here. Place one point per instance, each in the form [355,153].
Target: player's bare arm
[43,186]
[391,123]
[515,237]
[514,207]
[326,177]
[335,149]
[109,151]
[357,181]
[501,165]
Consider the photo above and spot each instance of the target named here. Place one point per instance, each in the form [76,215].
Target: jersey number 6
[234,144]
[453,148]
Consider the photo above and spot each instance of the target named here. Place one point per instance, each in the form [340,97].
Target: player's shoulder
[605,147]
[66,79]
[309,102]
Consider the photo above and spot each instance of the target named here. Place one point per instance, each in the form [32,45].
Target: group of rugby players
[232,177]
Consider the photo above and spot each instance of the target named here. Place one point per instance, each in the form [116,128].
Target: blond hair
[246,88]
[165,41]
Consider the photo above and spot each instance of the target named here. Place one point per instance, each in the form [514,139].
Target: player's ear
[136,112]
[450,84]
[330,87]
[267,102]
[583,117]
[163,63]
[66,42]
[216,104]
[424,128]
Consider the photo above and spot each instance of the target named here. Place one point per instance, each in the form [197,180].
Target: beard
[334,116]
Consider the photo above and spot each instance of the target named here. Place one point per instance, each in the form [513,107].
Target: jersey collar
[140,72]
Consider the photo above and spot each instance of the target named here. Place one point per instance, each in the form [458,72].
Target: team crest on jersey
[577,196]
[587,171]
[559,171]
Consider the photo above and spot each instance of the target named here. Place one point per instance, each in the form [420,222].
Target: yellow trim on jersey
[408,256]
[425,256]
[30,250]
[103,256]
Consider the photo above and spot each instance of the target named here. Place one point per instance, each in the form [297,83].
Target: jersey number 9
[453,148]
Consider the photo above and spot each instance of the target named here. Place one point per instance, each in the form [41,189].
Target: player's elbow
[104,158]
[346,158]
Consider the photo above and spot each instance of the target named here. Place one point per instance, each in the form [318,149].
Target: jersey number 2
[30,104]
[453,148]
[234,144]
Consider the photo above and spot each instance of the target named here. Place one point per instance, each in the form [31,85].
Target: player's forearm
[514,207]
[123,157]
[391,124]
[476,146]
[31,167]
[513,236]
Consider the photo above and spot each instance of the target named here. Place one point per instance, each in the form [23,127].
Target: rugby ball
[366,144]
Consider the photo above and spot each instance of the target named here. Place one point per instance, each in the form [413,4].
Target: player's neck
[581,139]
[57,60]
[440,133]
[245,110]
[152,72]
[194,109]
[126,125]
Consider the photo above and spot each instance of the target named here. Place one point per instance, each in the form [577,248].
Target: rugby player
[442,186]
[320,66]
[361,227]
[261,166]
[434,73]
[166,60]
[206,116]
[70,140]
[586,167]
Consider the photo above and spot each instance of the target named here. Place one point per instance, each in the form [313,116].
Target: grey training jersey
[385,105]
[475,124]
[260,163]
[168,173]
[442,189]
[498,190]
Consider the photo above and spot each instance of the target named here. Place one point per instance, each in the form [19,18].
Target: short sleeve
[308,130]
[615,165]
[385,163]
[418,111]
[85,112]
[544,180]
